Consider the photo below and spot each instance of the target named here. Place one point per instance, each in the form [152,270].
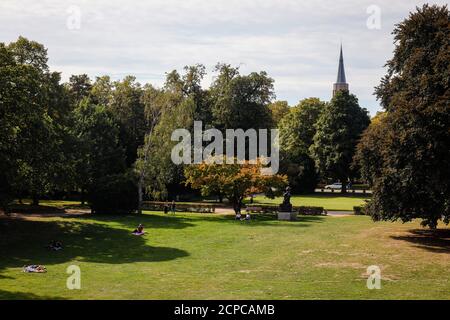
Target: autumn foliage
[234,181]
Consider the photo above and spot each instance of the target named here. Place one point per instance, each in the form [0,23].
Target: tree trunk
[140,193]
[344,186]
[35,200]
[83,200]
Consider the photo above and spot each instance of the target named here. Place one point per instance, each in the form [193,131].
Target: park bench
[254,209]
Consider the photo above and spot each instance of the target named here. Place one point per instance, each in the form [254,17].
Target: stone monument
[285,210]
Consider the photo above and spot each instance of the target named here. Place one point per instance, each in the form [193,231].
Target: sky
[296,42]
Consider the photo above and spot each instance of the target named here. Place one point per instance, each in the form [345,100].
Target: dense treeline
[102,138]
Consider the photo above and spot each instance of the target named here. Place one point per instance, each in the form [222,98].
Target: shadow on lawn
[7,295]
[258,220]
[151,221]
[432,240]
[183,220]
[23,242]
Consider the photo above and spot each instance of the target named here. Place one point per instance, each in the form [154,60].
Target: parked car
[337,185]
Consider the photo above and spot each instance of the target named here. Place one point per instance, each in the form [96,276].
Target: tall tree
[278,110]
[79,87]
[406,157]
[297,130]
[338,130]
[241,101]
[126,106]
[98,149]
[41,106]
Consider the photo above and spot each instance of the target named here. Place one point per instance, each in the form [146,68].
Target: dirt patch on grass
[353,265]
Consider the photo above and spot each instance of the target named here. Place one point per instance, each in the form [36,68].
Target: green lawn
[328,201]
[195,256]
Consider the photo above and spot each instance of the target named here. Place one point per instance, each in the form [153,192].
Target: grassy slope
[329,202]
[205,256]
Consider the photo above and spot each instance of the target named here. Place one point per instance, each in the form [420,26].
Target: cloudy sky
[295,41]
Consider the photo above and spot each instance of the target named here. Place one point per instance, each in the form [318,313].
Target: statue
[286,206]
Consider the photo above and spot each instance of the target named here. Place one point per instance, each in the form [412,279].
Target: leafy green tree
[297,129]
[101,91]
[406,157]
[98,149]
[79,87]
[155,164]
[188,86]
[367,158]
[126,106]
[41,107]
[241,101]
[338,130]
[278,110]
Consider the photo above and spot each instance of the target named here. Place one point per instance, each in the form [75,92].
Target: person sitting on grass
[238,216]
[247,216]
[139,230]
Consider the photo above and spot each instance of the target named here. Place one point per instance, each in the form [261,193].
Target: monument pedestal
[287,216]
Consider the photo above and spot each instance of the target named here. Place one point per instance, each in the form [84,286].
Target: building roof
[341,71]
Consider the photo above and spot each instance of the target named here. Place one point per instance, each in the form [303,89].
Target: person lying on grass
[34,268]
[139,231]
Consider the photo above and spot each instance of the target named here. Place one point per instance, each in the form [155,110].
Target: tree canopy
[338,130]
[297,129]
[234,181]
[406,154]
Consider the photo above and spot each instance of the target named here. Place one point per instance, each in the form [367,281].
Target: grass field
[328,201]
[195,256]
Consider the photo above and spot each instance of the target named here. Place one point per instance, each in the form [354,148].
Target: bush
[359,211]
[182,207]
[114,194]
[310,211]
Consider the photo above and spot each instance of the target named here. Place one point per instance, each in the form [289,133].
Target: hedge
[182,207]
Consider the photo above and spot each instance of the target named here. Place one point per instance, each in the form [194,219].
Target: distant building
[341,83]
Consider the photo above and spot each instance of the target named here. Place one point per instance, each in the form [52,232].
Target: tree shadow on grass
[7,295]
[437,241]
[23,242]
[260,219]
[150,221]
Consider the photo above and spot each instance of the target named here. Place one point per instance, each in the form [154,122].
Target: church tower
[341,84]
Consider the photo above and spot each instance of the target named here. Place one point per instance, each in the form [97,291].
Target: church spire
[341,83]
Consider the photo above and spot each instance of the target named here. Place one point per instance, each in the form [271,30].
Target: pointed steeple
[341,70]
[341,82]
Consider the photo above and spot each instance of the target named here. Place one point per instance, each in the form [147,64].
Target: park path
[333,213]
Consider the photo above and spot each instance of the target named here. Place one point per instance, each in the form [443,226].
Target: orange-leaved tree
[234,181]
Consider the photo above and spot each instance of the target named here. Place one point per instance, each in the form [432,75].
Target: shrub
[359,210]
[310,211]
[114,194]
[182,207]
